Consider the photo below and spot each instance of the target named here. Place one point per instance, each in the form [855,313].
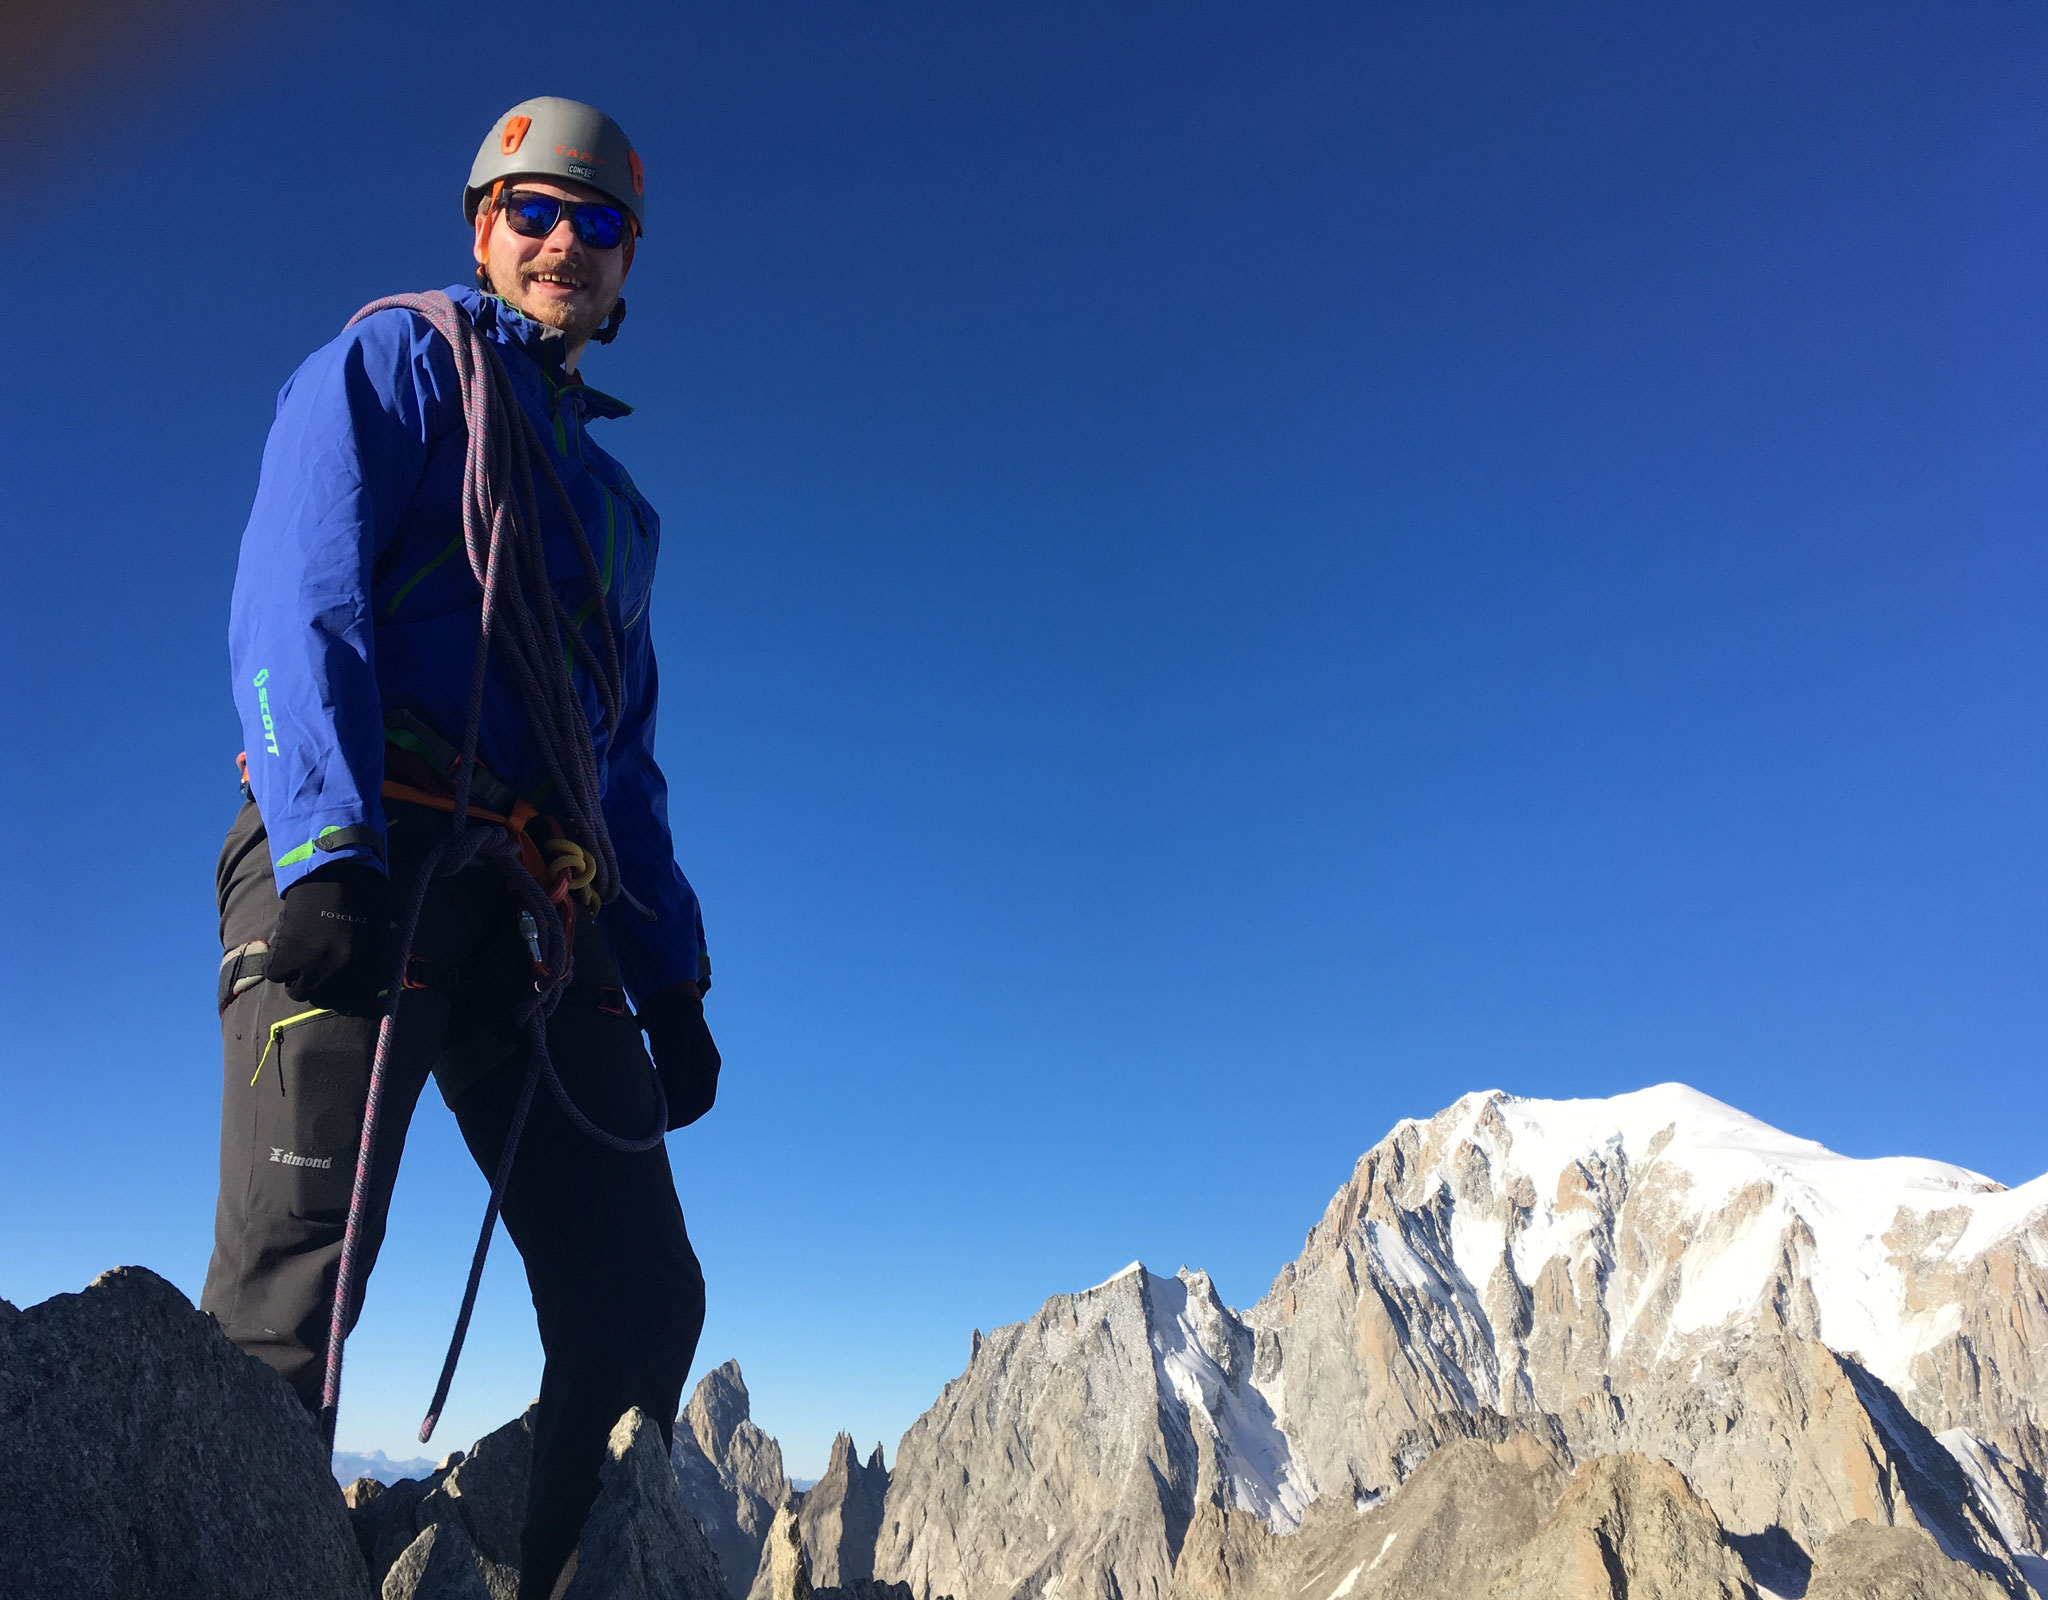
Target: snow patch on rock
[1204,1355]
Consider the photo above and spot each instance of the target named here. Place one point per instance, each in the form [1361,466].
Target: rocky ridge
[1640,1347]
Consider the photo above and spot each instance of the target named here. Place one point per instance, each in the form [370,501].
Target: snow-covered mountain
[1812,1340]
[1658,1215]
[1549,1255]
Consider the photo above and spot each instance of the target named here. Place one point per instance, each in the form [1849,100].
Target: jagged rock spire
[730,1472]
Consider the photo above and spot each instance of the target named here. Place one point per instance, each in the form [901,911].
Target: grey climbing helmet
[549,137]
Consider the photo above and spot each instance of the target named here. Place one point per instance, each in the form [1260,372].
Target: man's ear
[486,214]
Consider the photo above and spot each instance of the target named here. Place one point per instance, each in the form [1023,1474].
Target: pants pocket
[305,1095]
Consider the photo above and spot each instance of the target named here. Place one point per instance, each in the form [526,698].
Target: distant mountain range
[1532,1348]
[350,1465]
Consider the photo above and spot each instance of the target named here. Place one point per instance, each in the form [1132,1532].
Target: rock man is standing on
[354,628]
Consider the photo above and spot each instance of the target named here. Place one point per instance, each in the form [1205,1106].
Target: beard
[577,319]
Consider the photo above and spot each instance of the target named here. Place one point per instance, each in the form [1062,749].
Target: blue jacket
[354,599]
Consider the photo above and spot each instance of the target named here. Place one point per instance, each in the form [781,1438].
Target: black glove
[683,1052]
[332,947]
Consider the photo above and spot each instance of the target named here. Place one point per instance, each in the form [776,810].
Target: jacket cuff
[355,841]
[648,971]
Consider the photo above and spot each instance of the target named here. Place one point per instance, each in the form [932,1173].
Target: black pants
[616,1286]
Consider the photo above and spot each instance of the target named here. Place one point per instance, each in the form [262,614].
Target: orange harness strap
[522,814]
[529,852]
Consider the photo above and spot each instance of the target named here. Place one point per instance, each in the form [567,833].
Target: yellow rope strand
[566,855]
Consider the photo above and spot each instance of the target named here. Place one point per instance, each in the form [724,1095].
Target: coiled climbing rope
[522,625]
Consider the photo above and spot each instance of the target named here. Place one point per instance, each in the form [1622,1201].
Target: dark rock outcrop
[484,1493]
[1866,1562]
[142,1455]
[1628,1528]
[868,1589]
[641,1543]
[1417,1445]
[481,1492]
[1418,1544]
[387,1516]
[440,1564]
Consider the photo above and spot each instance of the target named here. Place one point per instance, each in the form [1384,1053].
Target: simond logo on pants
[291,1158]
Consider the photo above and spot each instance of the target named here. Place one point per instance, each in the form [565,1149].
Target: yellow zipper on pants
[277,1028]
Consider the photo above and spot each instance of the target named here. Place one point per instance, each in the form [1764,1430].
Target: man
[354,628]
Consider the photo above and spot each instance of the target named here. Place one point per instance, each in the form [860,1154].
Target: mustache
[561,269]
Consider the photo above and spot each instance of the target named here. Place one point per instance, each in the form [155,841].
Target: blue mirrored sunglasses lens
[600,227]
[534,216]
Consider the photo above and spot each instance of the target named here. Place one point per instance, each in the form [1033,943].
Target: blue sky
[1230,575]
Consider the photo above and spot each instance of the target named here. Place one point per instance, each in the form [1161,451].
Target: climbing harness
[241,969]
[522,622]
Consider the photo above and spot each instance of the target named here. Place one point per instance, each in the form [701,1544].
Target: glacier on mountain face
[1205,1357]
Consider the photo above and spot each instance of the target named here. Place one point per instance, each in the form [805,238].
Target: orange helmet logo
[633,163]
[515,131]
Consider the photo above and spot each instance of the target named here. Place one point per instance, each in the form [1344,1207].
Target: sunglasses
[535,216]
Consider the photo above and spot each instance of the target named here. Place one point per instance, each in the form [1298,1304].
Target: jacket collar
[542,345]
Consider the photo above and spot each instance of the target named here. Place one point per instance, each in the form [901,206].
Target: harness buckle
[611,1000]
[417,974]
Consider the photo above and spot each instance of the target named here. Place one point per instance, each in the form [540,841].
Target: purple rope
[525,621]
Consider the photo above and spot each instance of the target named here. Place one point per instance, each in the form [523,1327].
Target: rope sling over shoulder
[524,623]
